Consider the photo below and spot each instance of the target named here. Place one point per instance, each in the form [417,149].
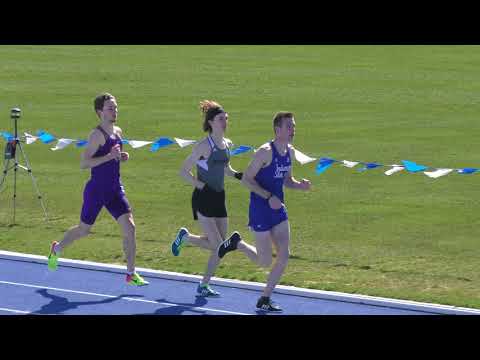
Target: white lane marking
[123,298]
[15,311]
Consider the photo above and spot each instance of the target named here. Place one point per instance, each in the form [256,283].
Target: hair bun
[206,105]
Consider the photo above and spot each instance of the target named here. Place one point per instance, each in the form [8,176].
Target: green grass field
[405,236]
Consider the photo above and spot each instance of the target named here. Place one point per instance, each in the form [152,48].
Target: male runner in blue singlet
[267,173]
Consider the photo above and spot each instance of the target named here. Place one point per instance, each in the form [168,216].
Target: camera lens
[15,113]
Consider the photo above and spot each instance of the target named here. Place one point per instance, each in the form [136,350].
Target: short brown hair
[278,118]
[100,101]
[210,108]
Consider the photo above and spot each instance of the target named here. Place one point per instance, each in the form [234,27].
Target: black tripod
[12,154]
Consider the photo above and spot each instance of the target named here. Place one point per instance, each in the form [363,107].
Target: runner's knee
[214,239]
[84,230]
[129,228]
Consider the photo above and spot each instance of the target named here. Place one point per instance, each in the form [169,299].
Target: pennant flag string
[62,143]
[45,137]
[437,173]
[394,169]
[413,167]
[182,143]
[7,136]
[323,164]
[81,143]
[240,150]
[159,143]
[302,158]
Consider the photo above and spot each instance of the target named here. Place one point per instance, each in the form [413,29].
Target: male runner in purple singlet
[103,156]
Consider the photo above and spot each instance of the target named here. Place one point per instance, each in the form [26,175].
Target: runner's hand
[115,152]
[305,184]
[275,203]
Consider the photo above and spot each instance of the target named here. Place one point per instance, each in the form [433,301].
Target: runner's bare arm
[199,150]
[261,157]
[229,171]
[293,183]
[94,142]
[124,156]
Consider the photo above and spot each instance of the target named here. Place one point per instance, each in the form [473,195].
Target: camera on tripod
[12,144]
[15,113]
[12,155]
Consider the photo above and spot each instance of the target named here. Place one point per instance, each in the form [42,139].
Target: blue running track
[85,288]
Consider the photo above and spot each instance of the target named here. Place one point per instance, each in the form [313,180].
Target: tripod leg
[34,181]
[15,187]
[4,175]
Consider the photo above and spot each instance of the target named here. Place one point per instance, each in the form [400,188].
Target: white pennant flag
[62,143]
[182,143]
[302,158]
[395,169]
[437,173]
[138,143]
[30,139]
[350,164]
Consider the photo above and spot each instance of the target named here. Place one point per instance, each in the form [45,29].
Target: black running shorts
[209,203]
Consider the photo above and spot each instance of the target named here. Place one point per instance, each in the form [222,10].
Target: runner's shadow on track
[266,313]
[180,308]
[60,304]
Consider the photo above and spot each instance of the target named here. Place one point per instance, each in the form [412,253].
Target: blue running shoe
[204,290]
[179,241]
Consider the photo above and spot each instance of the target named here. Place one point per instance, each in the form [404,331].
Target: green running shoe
[136,280]
[204,290]
[53,258]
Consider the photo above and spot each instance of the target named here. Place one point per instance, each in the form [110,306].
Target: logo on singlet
[281,171]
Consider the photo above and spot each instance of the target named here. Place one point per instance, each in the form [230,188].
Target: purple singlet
[104,187]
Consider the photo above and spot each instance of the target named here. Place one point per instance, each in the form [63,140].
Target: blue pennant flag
[161,142]
[369,166]
[45,137]
[7,136]
[240,150]
[412,167]
[467,170]
[81,143]
[323,164]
